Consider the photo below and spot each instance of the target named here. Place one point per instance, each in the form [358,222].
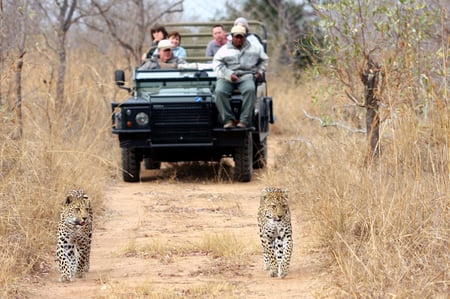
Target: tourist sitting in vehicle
[164,59]
[178,51]
[219,39]
[236,65]
[158,33]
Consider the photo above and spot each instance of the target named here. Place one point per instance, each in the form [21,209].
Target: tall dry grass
[58,152]
[383,225]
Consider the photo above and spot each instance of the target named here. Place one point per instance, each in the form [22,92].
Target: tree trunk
[65,21]
[18,132]
[371,80]
[60,81]
[22,34]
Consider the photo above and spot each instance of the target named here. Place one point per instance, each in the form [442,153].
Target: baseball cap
[238,30]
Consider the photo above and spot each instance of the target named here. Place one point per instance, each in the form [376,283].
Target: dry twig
[334,124]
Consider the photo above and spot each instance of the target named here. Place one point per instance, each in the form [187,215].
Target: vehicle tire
[243,160]
[259,154]
[131,165]
[149,163]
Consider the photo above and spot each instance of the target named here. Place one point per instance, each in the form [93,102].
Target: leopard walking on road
[74,236]
[275,231]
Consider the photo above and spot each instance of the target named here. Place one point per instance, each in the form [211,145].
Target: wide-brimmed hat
[165,44]
[238,30]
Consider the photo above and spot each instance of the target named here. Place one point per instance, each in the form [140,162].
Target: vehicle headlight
[142,118]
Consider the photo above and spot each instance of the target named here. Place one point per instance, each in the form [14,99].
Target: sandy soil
[145,245]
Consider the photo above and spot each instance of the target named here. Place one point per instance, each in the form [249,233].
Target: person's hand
[234,77]
[257,75]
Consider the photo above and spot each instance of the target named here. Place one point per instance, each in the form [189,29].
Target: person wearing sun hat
[164,59]
[250,37]
[235,64]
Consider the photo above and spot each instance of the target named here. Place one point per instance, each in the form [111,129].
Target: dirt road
[176,238]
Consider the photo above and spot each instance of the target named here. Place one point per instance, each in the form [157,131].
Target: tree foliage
[291,25]
[406,37]
[408,40]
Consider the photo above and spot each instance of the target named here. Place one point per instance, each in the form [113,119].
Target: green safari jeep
[171,115]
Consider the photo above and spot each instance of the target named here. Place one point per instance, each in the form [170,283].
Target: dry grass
[227,255]
[227,245]
[159,249]
[56,154]
[385,225]
[149,291]
[217,245]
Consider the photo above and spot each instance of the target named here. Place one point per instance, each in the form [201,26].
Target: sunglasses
[167,50]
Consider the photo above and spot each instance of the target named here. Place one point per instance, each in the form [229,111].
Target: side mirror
[119,78]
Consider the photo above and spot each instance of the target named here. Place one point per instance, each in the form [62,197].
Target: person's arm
[149,53]
[180,61]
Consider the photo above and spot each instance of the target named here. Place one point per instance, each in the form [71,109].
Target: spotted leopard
[275,231]
[74,236]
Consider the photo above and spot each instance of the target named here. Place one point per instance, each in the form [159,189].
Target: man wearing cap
[164,59]
[250,37]
[235,65]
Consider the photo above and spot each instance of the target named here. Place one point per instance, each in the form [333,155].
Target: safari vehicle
[171,115]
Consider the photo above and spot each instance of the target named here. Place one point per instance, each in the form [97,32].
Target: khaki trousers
[223,92]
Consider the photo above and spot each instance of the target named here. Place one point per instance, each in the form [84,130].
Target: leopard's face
[274,203]
[76,210]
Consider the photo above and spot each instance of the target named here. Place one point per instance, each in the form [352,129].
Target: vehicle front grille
[181,123]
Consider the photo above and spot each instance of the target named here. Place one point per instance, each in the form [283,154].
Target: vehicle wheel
[131,165]
[149,163]
[260,154]
[243,160]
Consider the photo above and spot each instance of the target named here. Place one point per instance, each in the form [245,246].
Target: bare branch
[354,100]
[114,23]
[169,10]
[112,27]
[334,124]
[69,18]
